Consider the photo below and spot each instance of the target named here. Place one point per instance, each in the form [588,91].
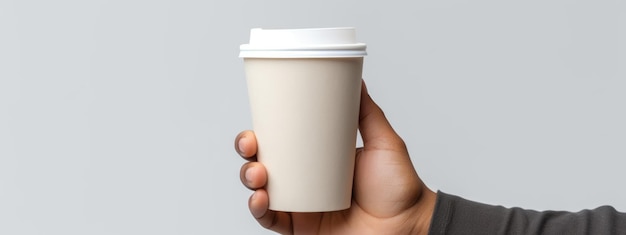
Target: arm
[455,215]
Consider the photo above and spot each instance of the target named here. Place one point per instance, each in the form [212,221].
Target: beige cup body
[305,117]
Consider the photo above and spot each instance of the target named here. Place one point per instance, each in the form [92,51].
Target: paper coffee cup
[304,87]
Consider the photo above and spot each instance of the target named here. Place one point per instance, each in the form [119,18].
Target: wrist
[423,211]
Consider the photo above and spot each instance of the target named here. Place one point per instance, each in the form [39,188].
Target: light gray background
[118,117]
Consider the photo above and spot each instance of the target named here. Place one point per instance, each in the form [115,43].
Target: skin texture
[388,196]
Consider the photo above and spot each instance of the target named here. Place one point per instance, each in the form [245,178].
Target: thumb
[376,131]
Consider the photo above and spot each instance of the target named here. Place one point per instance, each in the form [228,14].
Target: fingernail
[240,145]
[248,176]
[255,210]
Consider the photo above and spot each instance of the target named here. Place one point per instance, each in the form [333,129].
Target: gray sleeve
[455,215]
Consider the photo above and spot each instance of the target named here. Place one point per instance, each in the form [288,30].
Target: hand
[388,196]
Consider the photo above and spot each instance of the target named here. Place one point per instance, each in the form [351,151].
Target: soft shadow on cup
[304,87]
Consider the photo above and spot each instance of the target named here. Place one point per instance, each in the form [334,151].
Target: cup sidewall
[305,117]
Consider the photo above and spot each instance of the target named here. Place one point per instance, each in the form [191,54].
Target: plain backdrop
[118,117]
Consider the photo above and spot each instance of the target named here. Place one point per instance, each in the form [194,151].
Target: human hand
[388,196]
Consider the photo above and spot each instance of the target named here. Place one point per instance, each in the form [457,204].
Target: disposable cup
[304,88]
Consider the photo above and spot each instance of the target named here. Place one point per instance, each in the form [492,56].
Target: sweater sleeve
[455,215]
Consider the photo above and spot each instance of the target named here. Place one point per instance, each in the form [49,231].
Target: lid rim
[303,54]
[356,46]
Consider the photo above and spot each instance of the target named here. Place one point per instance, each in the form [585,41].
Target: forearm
[455,215]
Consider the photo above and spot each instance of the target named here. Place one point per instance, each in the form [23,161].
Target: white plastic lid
[303,43]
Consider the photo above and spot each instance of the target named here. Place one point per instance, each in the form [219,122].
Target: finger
[277,221]
[253,175]
[376,131]
[245,145]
